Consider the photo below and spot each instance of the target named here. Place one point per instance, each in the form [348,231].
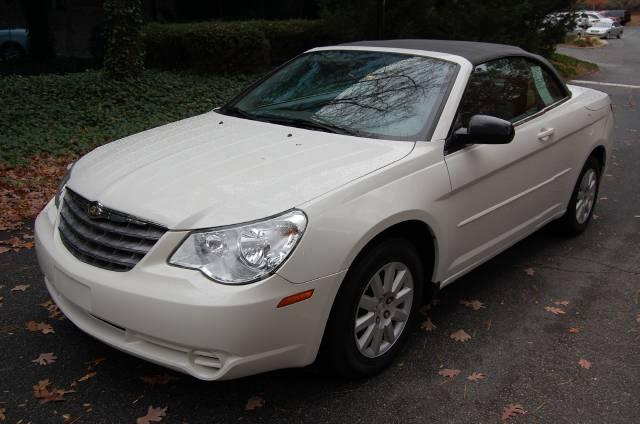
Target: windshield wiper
[308,124]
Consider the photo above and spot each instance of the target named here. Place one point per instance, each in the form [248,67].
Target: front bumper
[178,318]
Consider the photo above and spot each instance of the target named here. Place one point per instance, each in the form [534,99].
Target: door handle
[545,133]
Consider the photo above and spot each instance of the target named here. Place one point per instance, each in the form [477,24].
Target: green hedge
[218,46]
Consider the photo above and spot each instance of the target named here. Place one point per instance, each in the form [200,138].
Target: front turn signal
[295,298]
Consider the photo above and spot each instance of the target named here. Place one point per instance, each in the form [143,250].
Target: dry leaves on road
[476,305]
[561,302]
[3,417]
[512,410]
[530,272]
[254,403]
[159,379]
[39,326]
[21,287]
[460,336]
[638,318]
[428,325]
[25,189]
[476,376]
[154,415]
[94,363]
[574,330]
[554,310]
[449,373]
[17,243]
[41,391]
[54,311]
[584,363]
[45,359]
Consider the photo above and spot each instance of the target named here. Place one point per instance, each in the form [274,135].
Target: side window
[510,88]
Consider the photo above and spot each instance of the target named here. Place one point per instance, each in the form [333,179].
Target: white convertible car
[310,215]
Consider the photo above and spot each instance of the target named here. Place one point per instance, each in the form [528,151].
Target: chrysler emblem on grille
[95,210]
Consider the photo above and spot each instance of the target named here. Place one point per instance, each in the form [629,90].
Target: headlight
[62,184]
[244,253]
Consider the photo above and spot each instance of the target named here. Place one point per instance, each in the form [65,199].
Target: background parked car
[605,30]
[589,18]
[623,16]
[13,43]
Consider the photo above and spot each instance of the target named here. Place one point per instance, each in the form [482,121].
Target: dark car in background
[14,43]
[623,16]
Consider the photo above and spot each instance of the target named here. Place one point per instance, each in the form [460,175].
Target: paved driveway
[528,354]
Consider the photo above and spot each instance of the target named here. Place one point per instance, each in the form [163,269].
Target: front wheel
[619,35]
[583,200]
[374,309]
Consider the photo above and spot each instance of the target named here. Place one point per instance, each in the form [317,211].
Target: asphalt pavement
[530,356]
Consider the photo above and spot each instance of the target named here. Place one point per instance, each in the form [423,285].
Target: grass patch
[570,67]
[68,115]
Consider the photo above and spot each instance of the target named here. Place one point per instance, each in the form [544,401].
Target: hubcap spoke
[389,274]
[398,282]
[365,340]
[586,196]
[377,286]
[365,321]
[369,303]
[400,315]
[389,334]
[404,294]
[377,339]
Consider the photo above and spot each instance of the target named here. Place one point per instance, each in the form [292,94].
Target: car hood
[213,170]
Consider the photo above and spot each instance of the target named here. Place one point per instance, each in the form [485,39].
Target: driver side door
[501,193]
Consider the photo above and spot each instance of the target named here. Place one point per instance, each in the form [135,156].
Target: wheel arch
[600,153]
[417,232]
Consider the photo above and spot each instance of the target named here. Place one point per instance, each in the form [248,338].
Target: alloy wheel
[586,195]
[384,309]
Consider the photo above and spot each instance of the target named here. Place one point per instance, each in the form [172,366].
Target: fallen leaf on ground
[39,326]
[428,325]
[41,391]
[584,363]
[1,299]
[530,272]
[638,318]
[554,310]
[473,304]
[45,359]
[254,403]
[94,363]
[561,302]
[159,379]
[512,410]
[21,287]
[476,376]
[460,336]
[69,419]
[3,417]
[574,330]
[54,311]
[4,249]
[87,376]
[154,415]
[449,373]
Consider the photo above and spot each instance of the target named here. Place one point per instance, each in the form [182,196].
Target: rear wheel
[583,200]
[374,309]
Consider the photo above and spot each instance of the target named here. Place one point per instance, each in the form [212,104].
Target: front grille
[103,237]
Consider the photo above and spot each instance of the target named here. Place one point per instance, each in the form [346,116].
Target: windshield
[363,93]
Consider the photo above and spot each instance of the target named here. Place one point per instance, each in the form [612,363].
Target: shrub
[124,46]
[230,46]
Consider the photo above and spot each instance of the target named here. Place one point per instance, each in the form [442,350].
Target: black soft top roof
[474,52]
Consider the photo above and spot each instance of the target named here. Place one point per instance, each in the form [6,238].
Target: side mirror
[484,129]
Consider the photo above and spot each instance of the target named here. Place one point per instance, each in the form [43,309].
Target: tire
[340,349]
[576,218]
[619,36]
